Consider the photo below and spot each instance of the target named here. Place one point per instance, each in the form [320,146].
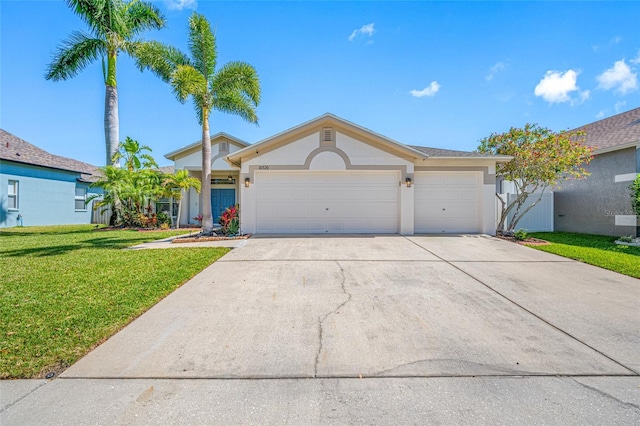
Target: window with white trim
[81,198]
[12,195]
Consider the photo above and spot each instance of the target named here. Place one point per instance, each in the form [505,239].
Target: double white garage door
[364,202]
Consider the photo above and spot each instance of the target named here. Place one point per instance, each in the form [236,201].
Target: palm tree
[134,159]
[113,26]
[177,184]
[234,88]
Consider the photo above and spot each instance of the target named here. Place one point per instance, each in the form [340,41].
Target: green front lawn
[66,289]
[598,250]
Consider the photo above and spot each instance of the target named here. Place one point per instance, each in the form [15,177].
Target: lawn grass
[66,289]
[598,250]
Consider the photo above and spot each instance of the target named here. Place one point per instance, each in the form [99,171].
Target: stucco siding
[590,205]
[45,196]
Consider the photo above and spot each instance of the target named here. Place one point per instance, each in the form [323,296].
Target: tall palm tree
[177,184]
[113,25]
[234,88]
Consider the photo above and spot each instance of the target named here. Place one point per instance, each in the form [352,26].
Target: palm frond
[73,55]
[238,76]
[141,16]
[202,45]
[236,90]
[159,58]
[187,81]
[237,104]
[95,13]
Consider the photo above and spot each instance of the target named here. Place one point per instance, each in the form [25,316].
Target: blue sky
[433,74]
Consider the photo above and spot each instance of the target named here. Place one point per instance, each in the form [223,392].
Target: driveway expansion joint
[7,406]
[549,323]
[607,395]
[323,318]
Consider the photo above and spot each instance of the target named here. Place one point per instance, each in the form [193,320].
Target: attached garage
[327,202]
[447,202]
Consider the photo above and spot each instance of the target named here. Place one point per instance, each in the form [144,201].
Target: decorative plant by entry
[230,221]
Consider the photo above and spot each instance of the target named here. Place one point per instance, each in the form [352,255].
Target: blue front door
[220,200]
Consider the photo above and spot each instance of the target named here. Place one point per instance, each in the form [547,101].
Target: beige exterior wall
[350,150]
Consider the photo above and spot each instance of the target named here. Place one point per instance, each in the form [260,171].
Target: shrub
[163,219]
[521,235]
[230,221]
[635,195]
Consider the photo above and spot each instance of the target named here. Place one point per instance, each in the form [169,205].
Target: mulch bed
[528,242]
[201,239]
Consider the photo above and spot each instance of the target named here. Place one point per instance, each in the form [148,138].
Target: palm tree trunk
[111,120]
[179,209]
[111,123]
[207,217]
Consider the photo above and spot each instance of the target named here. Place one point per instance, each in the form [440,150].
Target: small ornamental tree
[635,195]
[541,158]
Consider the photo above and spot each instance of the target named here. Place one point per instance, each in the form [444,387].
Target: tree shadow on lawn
[54,250]
[7,233]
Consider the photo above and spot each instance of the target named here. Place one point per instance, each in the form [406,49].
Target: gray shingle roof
[12,148]
[439,152]
[619,130]
[167,170]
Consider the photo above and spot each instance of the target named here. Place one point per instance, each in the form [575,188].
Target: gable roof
[220,135]
[12,148]
[329,119]
[613,133]
[324,120]
[452,153]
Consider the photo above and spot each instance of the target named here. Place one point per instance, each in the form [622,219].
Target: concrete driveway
[473,316]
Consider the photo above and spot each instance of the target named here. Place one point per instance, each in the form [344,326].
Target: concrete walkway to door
[367,330]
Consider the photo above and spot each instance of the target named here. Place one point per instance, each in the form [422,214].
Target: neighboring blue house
[38,188]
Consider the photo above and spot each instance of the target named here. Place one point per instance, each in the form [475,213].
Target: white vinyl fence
[101,215]
[538,219]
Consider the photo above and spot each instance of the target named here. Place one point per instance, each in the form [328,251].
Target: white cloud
[181,4]
[619,77]
[498,67]
[366,30]
[619,105]
[636,60]
[600,114]
[430,90]
[555,87]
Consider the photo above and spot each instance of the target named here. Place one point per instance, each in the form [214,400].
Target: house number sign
[263,167]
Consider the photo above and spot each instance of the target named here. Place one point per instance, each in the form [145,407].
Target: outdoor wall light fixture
[247,182]
[408,182]
[230,178]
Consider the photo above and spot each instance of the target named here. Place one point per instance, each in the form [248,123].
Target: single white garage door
[327,202]
[447,202]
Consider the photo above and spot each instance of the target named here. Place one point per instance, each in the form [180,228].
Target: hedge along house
[601,203]
[332,176]
[39,188]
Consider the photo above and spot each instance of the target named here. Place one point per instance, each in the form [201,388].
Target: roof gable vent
[327,136]
[224,146]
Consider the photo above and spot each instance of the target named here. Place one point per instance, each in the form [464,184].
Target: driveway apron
[382,306]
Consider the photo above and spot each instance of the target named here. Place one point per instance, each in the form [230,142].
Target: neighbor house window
[81,198]
[12,195]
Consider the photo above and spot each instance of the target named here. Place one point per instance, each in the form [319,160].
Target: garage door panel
[447,202]
[327,202]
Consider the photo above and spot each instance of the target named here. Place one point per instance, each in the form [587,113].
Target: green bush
[635,195]
[521,235]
